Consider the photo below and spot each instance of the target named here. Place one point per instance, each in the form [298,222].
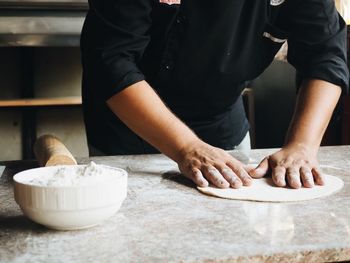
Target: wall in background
[275,95]
[57,73]
[10,120]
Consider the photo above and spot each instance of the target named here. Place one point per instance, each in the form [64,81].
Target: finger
[261,170]
[306,177]
[197,177]
[242,174]
[293,177]
[279,176]
[215,177]
[318,176]
[249,167]
[231,177]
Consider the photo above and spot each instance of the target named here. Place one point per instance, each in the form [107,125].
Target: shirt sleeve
[114,38]
[317,42]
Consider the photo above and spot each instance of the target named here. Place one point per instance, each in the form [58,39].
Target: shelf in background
[41,28]
[41,102]
[44,4]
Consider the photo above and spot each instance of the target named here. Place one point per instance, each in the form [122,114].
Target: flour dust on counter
[264,190]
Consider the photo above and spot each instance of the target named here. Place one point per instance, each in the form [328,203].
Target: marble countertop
[165,219]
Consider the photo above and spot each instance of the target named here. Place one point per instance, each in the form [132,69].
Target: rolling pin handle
[50,151]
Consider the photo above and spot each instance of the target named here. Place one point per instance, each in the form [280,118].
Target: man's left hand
[293,165]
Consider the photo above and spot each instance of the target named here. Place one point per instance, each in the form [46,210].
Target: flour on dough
[263,190]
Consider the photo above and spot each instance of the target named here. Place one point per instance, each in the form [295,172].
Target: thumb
[261,170]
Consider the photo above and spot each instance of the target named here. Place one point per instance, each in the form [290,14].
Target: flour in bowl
[82,175]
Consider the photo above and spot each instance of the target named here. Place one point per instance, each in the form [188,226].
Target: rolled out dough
[263,190]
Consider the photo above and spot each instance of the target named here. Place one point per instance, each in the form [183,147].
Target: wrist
[186,147]
[307,148]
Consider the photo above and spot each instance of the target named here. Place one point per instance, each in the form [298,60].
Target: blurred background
[41,80]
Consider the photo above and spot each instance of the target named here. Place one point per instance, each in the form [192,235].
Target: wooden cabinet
[22,26]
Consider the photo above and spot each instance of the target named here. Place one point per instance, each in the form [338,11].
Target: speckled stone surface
[165,219]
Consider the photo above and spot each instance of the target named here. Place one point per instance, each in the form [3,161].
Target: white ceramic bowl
[70,207]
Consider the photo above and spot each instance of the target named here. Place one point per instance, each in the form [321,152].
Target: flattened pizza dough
[264,190]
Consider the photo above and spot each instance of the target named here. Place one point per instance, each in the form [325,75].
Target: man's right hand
[204,164]
[141,109]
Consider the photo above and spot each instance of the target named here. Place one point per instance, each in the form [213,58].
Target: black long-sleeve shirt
[197,55]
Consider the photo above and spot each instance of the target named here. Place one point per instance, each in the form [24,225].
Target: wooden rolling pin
[50,151]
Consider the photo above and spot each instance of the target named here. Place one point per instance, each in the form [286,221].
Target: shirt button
[167,67]
[178,20]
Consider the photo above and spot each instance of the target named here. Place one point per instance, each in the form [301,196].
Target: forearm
[141,109]
[296,163]
[315,104]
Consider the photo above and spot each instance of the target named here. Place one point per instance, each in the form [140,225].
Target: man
[170,75]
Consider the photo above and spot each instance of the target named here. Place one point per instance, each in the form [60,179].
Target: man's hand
[293,165]
[140,108]
[205,164]
[296,163]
